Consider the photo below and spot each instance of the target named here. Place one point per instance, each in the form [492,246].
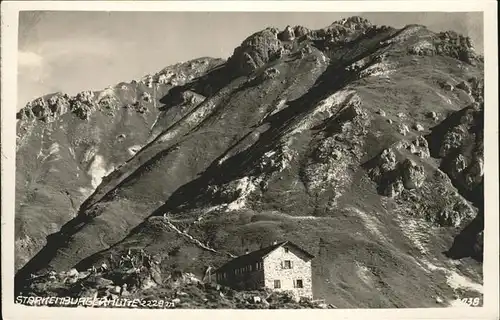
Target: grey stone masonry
[290,267]
[281,267]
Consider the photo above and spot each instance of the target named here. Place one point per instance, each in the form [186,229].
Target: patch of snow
[363,273]
[269,154]
[72,152]
[54,148]
[85,191]
[323,58]
[223,159]
[370,222]
[40,153]
[89,154]
[446,99]
[327,107]
[154,123]
[413,231]
[52,151]
[199,113]
[246,186]
[168,136]
[134,149]
[422,46]
[380,69]
[98,170]
[279,106]
[454,279]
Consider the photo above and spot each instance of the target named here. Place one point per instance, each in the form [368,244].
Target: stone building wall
[301,270]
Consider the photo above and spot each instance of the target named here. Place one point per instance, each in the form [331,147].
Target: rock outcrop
[413,175]
[318,136]
[255,51]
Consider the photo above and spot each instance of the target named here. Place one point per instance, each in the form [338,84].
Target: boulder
[465,87]
[452,140]
[26,113]
[156,274]
[287,35]
[270,73]
[403,129]
[58,104]
[420,147]
[394,189]
[446,86]
[475,173]
[146,97]
[432,115]
[73,273]
[83,104]
[418,127]
[387,161]
[413,175]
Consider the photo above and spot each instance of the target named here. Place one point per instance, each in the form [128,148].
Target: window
[299,283]
[286,250]
[287,264]
[277,284]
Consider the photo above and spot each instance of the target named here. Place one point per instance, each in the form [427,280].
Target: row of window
[287,264]
[249,268]
[296,284]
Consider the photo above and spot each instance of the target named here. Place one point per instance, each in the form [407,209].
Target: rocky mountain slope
[362,143]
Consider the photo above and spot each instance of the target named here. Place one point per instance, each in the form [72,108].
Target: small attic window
[286,250]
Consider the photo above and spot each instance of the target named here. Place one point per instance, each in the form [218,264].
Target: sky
[71,51]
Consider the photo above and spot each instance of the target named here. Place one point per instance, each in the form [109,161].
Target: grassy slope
[51,188]
[366,257]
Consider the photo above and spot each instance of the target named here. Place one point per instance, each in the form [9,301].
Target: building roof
[258,255]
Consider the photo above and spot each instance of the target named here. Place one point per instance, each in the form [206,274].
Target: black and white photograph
[265,159]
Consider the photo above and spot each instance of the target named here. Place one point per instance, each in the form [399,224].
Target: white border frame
[9,37]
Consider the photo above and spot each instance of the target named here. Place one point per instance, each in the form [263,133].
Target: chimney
[275,242]
[247,251]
